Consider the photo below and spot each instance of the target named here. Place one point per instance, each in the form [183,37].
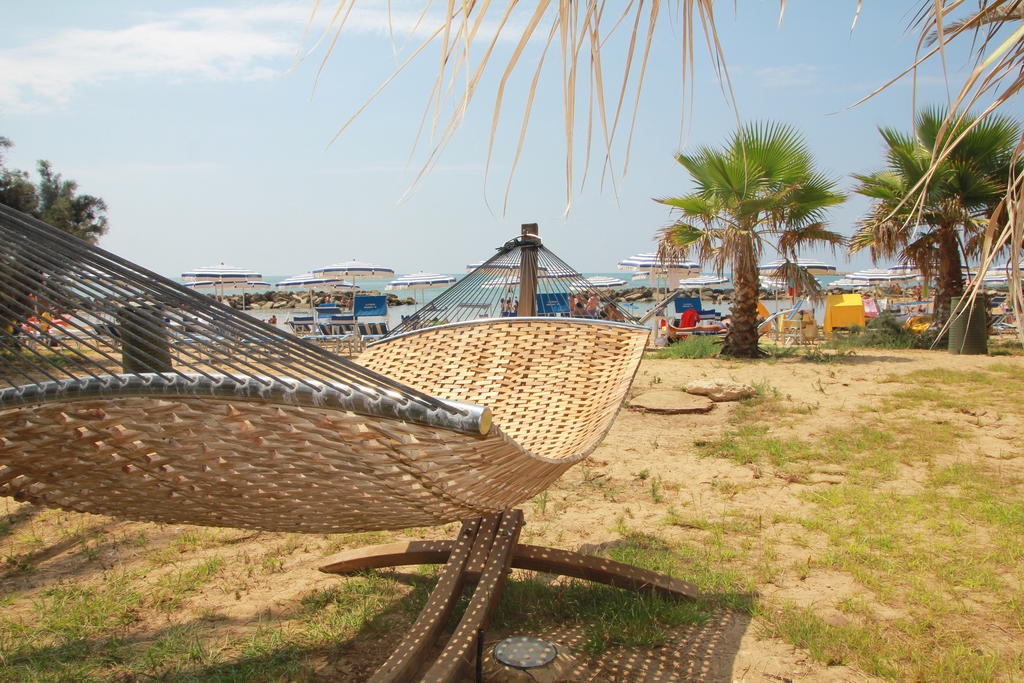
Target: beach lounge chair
[302,325]
[552,303]
[267,431]
[918,324]
[372,330]
[365,306]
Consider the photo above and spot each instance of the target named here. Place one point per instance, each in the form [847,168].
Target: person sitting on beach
[592,304]
[272,320]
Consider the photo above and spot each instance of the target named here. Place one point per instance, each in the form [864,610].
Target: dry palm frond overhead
[582,31]
[996,29]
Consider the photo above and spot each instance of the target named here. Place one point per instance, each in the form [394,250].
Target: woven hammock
[123,393]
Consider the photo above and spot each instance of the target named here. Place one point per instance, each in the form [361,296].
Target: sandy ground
[583,510]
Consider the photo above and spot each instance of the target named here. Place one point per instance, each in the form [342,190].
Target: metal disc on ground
[669,402]
[525,652]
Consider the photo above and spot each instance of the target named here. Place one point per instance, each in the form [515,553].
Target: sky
[205,127]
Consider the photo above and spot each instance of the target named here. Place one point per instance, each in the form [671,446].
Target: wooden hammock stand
[482,554]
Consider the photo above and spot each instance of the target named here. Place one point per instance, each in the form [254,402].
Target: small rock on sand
[669,402]
[720,390]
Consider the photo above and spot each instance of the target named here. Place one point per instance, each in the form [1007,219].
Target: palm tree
[760,190]
[930,211]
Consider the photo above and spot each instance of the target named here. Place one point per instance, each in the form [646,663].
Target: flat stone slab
[720,390]
[669,402]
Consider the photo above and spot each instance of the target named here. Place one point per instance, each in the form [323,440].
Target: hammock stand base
[483,553]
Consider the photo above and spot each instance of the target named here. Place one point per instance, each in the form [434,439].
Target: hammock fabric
[126,394]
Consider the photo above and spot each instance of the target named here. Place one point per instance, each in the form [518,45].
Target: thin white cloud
[786,76]
[204,44]
[209,45]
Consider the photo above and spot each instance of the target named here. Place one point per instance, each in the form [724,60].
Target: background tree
[60,205]
[55,200]
[759,191]
[16,188]
[933,211]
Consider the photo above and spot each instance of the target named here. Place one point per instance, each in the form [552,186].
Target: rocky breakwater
[274,299]
[647,294]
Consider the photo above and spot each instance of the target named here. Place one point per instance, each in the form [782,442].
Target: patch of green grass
[752,443]
[73,631]
[176,585]
[871,450]
[912,649]
[779,351]
[819,355]
[699,346]
[613,617]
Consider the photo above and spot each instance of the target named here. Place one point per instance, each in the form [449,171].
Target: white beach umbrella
[598,282]
[1006,267]
[221,273]
[996,279]
[312,283]
[703,281]
[907,269]
[354,270]
[670,271]
[222,288]
[812,266]
[511,278]
[231,286]
[420,281]
[508,280]
[501,264]
[773,282]
[223,279]
[876,276]
[315,283]
[648,262]
[847,283]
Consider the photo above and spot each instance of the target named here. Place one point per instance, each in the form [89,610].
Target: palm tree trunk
[950,279]
[741,339]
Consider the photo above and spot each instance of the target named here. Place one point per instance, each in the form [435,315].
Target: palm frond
[583,33]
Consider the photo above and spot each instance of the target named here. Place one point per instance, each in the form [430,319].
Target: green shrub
[697,346]
[884,332]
